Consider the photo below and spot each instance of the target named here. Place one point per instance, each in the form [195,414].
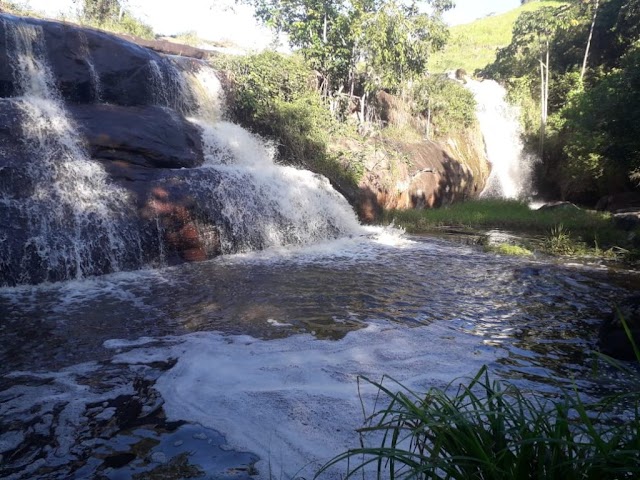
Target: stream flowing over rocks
[175,304]
[115,158]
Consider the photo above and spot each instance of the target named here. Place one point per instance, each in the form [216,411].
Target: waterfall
[77,220]
[511,166]
[263,204]
[169,86]
[72,219]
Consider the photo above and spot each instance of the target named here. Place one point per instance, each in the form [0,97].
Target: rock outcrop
[126,105]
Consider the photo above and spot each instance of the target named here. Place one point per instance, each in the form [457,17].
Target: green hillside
[473,45]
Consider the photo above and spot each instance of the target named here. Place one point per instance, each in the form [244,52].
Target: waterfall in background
[77,220]
[511,167]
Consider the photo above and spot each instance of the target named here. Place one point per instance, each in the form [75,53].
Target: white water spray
[499,122]
[73,212]
[264,204]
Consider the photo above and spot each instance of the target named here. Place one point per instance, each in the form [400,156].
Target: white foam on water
[342,252]
[62,395]
[296,402]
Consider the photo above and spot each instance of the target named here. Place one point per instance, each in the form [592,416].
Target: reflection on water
[541,318]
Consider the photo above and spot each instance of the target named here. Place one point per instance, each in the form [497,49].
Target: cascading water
[263,204]
[169,86]
[77,220]
[81,222]
[499,122]
[96,85]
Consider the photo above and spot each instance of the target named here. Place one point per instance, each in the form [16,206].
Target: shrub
[274,95]
[452,106]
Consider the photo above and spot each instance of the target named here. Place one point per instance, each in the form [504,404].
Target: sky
[223,20]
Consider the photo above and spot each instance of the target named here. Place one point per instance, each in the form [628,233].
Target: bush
[452,106]
[274,95]
[127,25]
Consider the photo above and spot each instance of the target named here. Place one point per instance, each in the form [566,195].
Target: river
[113,376]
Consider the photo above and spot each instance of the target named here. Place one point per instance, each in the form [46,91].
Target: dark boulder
[613,339]
[88,65]
[144,136]
[558,206]
[619,201]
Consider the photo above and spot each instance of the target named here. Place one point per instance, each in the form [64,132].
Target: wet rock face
[122,122]
[78,56]
[146,136]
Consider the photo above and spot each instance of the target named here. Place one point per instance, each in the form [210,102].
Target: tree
[397,40]
[586,50]
[533,33]
[102,10]
[391,38]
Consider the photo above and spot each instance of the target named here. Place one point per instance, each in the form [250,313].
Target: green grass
[565,231]
[509,249]
[489,430]
[473,46]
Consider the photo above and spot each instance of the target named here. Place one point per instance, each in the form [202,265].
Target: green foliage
[392,39]
[489,430]
[16,7]
[508,249]
[586,232]
[396,42]
[473,46]
[101,11]
[452,106]
[111,15]
[260,81]
[591,134]
[275,96]
[559,241]
[601,130]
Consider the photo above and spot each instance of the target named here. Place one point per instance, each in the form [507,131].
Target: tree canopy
[593,129]
[387,41]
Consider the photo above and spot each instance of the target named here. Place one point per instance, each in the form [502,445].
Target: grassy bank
[560,231]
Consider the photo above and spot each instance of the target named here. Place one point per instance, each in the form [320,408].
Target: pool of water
[248,364]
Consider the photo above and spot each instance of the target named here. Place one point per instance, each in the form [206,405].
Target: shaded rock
[619,201]
[627,220]
[613,340]
[392,110]
[87,64]
[558,206]
[403,175]
[144,136]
